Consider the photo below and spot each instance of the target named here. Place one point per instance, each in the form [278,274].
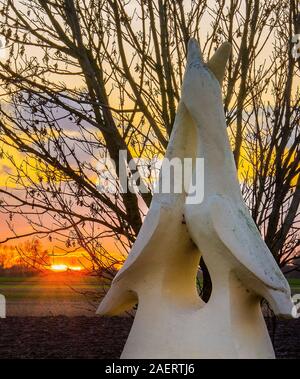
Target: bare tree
[7,254]
[86,79]
[32,255]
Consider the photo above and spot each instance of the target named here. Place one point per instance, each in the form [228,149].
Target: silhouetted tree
[86,79]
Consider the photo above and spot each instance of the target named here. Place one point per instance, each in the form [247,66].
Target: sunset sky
[6,168]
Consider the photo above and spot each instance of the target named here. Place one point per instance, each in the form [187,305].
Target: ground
[63,337]
[96,337]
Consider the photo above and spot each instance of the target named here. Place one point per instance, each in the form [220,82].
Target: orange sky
[5,166]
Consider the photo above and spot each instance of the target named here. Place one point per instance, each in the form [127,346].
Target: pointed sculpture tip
[194,52]
[193,44]
[217,64]
[226,48]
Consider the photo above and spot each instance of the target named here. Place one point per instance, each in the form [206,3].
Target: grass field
[47,287]
[53,294]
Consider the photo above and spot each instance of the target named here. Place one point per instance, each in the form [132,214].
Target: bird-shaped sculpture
[227,228]
[159,274]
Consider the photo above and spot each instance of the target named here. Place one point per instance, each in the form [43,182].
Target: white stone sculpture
[159,273]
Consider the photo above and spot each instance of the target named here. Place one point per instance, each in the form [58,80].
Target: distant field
[52,294]
[44,287]
[57,294]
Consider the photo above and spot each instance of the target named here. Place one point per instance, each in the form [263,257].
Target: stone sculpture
[159,273]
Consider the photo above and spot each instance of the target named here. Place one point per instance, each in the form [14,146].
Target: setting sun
[59,268]
[64,267]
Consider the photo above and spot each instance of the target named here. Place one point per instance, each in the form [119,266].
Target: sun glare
[63,268]
[59,268]
[75,268]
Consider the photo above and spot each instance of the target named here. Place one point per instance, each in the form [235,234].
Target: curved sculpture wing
[236,229]
[163,243]
[181,145]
